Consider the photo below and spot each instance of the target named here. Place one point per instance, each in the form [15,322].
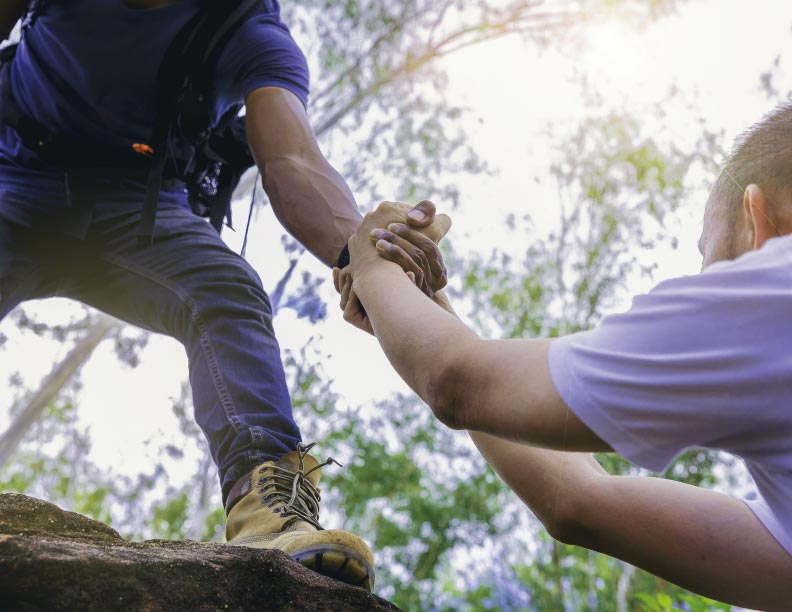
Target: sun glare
[614,50]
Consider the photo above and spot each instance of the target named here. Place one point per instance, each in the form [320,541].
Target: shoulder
[264,53]
[763,276]
[265,30]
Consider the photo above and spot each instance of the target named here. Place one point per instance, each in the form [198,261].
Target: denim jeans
[187,284]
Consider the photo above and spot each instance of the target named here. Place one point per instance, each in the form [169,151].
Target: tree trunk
[207,479]
[52,385]
[623,587]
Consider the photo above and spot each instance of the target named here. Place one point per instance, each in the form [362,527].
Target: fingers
[422,214]
[345,282]
[396,254]
[355,314]
[414,251]
[344,276]
[440,227]
[430,252]
[335,279]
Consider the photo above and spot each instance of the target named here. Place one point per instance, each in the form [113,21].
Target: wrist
[361,252]
[343,258]
[371,271]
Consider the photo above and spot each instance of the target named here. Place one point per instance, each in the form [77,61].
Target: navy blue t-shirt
[88,68]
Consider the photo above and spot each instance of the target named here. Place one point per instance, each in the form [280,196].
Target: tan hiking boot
[278,508]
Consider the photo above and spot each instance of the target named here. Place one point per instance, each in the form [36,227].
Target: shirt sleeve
[261,54]
[697,362]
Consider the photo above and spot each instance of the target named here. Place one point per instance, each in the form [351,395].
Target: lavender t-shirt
[700,361]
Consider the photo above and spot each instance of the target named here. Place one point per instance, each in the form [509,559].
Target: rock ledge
[55,560]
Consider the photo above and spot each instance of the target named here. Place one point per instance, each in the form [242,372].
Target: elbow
[566,529]
[449,386]
[571,519]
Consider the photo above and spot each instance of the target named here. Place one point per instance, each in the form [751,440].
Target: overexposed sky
[713,50]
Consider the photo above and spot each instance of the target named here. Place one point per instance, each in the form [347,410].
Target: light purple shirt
[700,361]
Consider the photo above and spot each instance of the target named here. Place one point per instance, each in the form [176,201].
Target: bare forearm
[418,338]
[547,481]
[497,387]
[313,203]
[686,535]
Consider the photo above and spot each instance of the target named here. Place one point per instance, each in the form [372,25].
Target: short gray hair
[761,155]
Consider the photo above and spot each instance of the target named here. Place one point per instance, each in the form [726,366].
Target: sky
[712,50]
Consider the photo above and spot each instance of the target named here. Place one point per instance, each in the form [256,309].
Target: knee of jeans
[230,290]
[244,277]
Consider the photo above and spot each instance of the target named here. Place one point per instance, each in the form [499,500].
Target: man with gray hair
[700,361]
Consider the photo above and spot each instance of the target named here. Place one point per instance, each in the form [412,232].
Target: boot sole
[338,562]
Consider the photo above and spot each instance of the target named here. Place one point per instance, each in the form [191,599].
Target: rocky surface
[55,560]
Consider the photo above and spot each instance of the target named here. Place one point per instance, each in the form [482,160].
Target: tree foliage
[448,534]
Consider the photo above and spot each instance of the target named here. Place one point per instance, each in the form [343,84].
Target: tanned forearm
[309,198]
[312,202]
[547,481]
[684,534]
[418,338]
[500,387]
[687,535]
[10,12]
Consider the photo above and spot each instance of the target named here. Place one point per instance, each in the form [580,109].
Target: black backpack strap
[35,9]
[168,83]
[228,179]
[241,11]
[188,68]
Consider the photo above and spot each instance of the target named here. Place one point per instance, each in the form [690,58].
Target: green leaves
[655,603]
[661,602]
[168,518]
[447,534]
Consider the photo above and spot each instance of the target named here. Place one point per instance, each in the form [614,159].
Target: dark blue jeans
[187,284]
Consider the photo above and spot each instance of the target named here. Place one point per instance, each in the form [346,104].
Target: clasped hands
[400,234]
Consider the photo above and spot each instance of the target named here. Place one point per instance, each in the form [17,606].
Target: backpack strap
[35,9]
[184,107]
[168,82]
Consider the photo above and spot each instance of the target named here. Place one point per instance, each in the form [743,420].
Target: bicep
[508,392]
[277,126]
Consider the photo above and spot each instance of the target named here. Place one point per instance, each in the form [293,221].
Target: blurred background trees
[613,190]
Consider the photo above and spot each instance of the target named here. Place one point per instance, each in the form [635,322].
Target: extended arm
[309,198]
[499,387]
[704,541]
[707,542]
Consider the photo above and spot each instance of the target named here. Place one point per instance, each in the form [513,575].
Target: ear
[757,216]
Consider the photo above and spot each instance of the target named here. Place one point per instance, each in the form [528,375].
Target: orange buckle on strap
[143,149]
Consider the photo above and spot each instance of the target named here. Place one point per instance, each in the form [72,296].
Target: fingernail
[417,215]
[396,227]
[383,244]
[376,233]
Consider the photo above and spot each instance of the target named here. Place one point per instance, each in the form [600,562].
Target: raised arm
[498,387]
[309,198]
[704,541]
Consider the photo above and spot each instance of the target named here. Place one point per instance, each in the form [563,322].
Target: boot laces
[300,498]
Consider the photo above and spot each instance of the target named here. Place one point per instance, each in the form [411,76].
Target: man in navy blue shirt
[87,70]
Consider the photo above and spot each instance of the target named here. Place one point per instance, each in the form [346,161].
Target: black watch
[343,258]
